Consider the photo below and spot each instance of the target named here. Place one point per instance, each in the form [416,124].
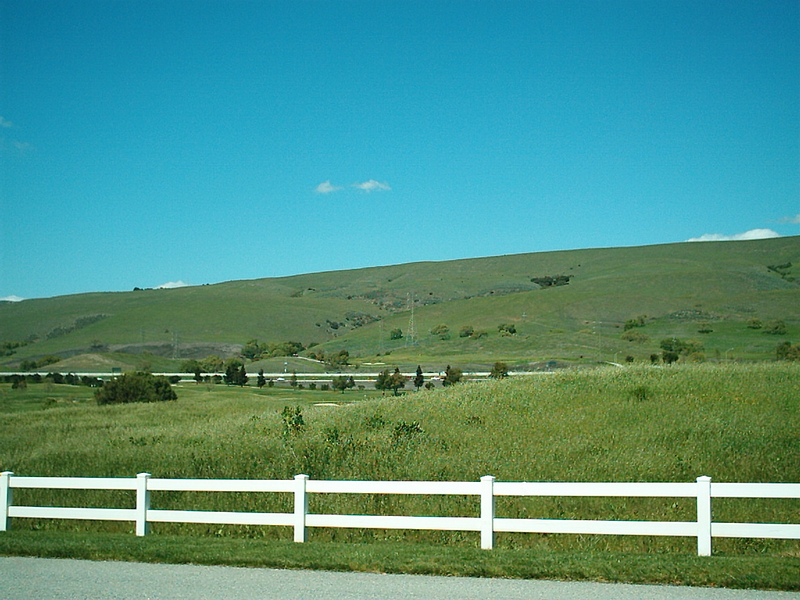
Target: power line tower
[411,337]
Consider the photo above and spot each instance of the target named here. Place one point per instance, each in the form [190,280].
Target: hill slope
[579,317]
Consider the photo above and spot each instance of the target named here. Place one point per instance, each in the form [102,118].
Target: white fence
[487,489]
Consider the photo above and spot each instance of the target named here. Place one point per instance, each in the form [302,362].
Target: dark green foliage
[235,373]
[338,359]
[635,322]
[507,329]
[261,381]
[442,331]
[343,383]
[785,351]
[135,387]
[419,378]
[292,419]
[551,281]
[30,365]
[466,331]
[396,334]
[641,393]
[499,371]
[452,375]
[406,432]
[776,327]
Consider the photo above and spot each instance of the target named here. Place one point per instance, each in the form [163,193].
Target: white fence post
[6,496]
[142,504]
[704,516]
[487,512]
[300,508]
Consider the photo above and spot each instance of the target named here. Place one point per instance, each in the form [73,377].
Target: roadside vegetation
[731,422]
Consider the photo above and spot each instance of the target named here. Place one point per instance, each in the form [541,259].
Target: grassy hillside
[733,423]
[679,287]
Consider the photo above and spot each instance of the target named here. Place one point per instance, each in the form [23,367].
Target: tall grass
[734,423]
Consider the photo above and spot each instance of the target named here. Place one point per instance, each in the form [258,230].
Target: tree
[397,380]
[499,371]
[340,383]
[452,375]
[232,369]
[261,381]
[396,334]
[135,387]
[382,380]
[466,331]
[241,377]
[419,378]
[338,359]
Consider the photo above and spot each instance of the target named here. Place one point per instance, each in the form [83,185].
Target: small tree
[340,383]
[499,371]
[396,334]
[466,331]
[452,375]
[261,381]
[397,380]
[382,381]
[419,378]
[232,369]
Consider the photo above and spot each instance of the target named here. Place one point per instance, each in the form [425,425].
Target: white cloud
[170,285]
[5,122]
[753,234]
[326,188]
[795,220]
[11,298]
[372,186]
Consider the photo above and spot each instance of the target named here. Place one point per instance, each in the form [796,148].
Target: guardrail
[487,489]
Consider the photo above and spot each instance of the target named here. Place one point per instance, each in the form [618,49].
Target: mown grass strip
[747,572]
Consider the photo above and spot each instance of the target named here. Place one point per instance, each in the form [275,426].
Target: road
[61,579]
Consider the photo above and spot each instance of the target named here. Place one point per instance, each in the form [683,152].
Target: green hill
[564,306]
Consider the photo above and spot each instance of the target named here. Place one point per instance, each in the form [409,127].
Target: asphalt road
[27,578]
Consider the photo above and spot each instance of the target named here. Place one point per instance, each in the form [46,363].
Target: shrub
[754,323]
[635,322]
[635,336]
[466,331]
[135,387]
[776,327]
[499,371]
[442,331]
[507,329]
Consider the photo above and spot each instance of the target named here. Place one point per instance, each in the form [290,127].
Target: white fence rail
[487,489]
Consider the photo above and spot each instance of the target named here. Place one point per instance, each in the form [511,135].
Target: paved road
[56,579]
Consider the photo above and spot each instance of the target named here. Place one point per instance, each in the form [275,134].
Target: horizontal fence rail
[485,490]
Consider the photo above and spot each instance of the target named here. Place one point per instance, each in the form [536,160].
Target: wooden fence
[487,489]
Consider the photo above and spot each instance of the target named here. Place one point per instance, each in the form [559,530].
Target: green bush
[135,387]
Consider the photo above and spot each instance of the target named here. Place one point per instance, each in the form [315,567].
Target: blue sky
[146,142]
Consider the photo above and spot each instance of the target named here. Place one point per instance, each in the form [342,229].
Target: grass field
[733,423]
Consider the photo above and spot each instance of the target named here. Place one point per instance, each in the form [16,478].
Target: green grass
[732,422]
[579,322]
[749,572]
